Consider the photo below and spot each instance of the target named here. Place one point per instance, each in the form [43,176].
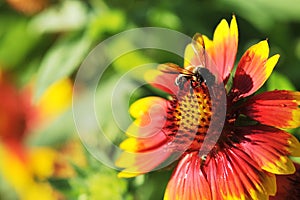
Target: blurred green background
[44,41]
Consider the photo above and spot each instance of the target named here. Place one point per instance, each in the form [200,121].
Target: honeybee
[193,74]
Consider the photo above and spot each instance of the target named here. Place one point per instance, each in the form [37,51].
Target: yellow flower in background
[27,176]
[26,168]
[56,99]
[72,151]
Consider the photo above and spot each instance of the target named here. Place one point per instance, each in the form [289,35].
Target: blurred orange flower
[28,7]
[26,168]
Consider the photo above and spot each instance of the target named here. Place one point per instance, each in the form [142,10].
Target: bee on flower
[229,143]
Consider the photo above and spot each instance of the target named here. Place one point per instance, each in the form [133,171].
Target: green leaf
[6,189]
[164,18]
[111,21]
[61,60]
[296,159]
[150,189]
[278,81]
[58,131]
[106,186]
[264,14]
[60,183]
[17,40]
[296,133]
[79,171]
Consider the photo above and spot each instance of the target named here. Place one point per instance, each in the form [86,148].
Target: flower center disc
[188,119]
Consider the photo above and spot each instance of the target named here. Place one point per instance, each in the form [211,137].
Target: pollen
[188,119]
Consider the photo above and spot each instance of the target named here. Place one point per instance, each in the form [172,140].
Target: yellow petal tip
[129,145]
[233,26]
[261,49]
[124,174]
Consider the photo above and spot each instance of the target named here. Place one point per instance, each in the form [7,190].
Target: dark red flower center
[188,118]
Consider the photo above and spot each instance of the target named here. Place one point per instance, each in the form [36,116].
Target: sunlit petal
[269,148]
[162,81]
[233,175]
[188,180]
[253,69]
[280,103]
[135,164]
[223,48]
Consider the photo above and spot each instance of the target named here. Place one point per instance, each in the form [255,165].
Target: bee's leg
[183,81]
[192,86]
[180,81]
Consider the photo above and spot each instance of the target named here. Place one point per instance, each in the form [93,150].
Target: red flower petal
[150,114]
[16,112]
[269,148]
[288,186]
[253,70]
[141,162]
[145,132]
[133,144]
[223,48]
[276,108]
[233,175]
[162,81]
[145,148]
[188,180]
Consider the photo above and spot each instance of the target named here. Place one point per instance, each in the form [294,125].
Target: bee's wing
[199,49]
[203,59]
[173,69]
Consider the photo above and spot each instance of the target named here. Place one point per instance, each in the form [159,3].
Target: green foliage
[94,182]
[58,132]
[61,60]
[16,40]
[278,81]
[163,18]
